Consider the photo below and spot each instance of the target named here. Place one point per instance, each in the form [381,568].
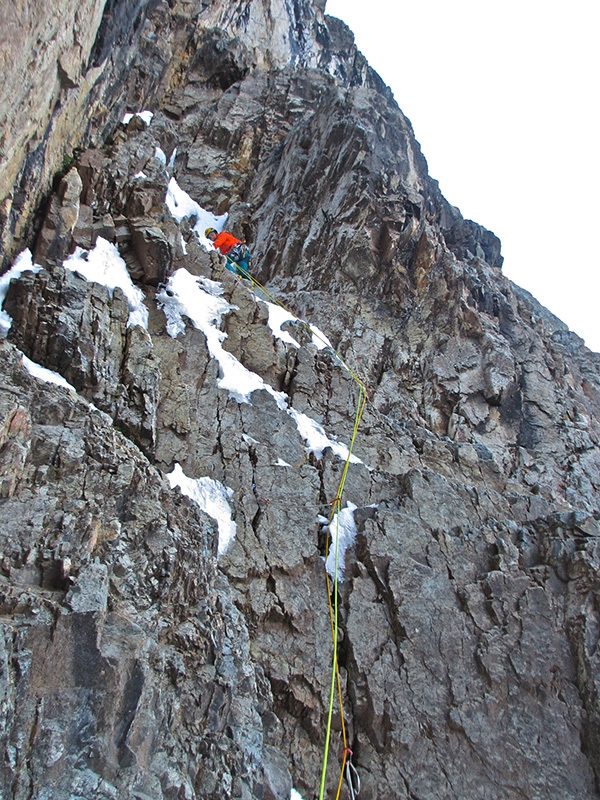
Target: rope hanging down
[334,619]
[347,769]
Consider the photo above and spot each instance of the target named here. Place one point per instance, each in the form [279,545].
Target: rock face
[134,661]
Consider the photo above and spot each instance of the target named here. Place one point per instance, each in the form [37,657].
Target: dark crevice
[379,575]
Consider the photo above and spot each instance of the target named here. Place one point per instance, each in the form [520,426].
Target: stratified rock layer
[134,665]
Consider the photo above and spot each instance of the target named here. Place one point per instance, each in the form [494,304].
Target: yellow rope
[336,508]
[279,303]
[333,610]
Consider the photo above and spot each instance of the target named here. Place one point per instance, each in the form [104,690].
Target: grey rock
[135,665]
[105,639]
[54,241]
[152,250]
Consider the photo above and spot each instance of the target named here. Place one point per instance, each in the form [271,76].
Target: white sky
[503,98]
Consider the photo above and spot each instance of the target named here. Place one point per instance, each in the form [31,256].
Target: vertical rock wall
[134,664]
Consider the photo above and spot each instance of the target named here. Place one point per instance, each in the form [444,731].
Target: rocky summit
[175,439]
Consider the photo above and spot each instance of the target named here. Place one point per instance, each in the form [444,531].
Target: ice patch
[145,115]
[47,375]
[104,265]
[171,163]
[181,205]
[212,497]
[342,535]
[23,263]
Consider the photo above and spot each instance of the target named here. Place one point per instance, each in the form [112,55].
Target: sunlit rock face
[167,469]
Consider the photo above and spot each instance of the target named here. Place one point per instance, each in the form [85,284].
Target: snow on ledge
[316,438]
[23,263]
[105,266]
[145,115]
[47,375]
[279,315]
[319,339]
[198,299]
[211,497]
[181,205]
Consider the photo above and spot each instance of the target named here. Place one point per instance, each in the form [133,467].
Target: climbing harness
[348,770]
[237,252]
[237,268]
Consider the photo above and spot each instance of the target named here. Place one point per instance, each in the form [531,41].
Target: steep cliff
[153,650]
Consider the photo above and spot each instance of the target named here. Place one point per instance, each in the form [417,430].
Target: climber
[235,251]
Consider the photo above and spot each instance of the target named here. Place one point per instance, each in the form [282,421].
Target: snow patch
[277,317]
[213,498]
[319,339]
[145,115]
[23,263]
[181,205]
[199,300]
[47,375]
[196,298]
[104,265]
[342,532]
[160,155]
[316,438]
[171,163]
[295,795]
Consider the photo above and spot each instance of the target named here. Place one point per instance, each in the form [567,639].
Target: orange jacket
[225,241]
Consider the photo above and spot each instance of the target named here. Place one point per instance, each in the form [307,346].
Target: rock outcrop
[143,654]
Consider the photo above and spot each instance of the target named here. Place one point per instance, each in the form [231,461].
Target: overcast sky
[503,98]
